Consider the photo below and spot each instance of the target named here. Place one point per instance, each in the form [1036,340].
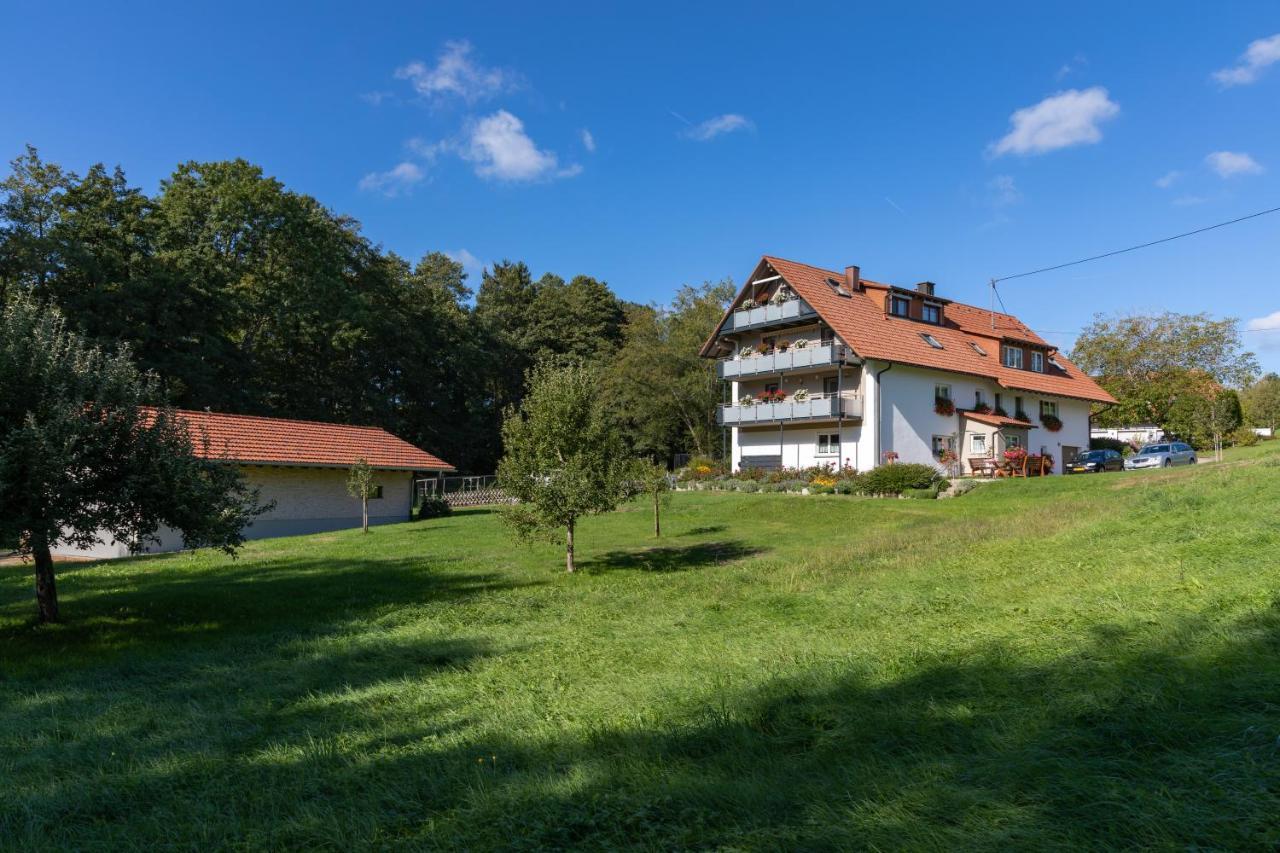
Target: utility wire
[1135,248]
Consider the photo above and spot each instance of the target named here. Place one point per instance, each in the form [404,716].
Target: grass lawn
[1061,662]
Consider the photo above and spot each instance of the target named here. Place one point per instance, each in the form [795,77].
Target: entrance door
[1069,454]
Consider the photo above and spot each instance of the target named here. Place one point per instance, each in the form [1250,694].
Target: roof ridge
[285,420]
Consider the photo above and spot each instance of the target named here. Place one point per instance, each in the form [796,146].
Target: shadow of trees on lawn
[671,558]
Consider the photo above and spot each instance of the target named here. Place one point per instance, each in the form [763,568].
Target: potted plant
[944,406]
[764,349]
[800,343]
[1015,455]
[783,346]
[772,396]
[982,409]
[890,456]
[1051,422]
[746,352]
[748,304]
[1022,416]
[999,410]
[800,395]
[746,400]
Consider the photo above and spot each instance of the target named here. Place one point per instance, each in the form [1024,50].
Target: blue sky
[654,145]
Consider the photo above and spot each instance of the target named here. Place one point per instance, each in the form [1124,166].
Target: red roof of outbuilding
[861,322]
[992,419]
[251,439]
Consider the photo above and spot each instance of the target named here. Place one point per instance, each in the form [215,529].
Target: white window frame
[1048,407]
[974,440]
[829,440]
[1012,440]
[942,392]
[1037,362]
[1008,357]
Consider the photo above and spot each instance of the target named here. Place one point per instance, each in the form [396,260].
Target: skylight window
[838,287]
[979,350]
[931,340]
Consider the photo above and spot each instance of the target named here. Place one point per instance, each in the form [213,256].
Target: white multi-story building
[824,367]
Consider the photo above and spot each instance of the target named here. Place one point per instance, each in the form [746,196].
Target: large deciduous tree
[564,458]
[660,392]
[1261,402]
[1170,369]
[82,453]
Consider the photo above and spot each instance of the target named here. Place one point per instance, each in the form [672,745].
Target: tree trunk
[364,514]
[568,551]
[46,588]
[657,515]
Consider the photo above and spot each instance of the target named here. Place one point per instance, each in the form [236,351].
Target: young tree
[564,460]
[651,481]
[81,453]
[362,484]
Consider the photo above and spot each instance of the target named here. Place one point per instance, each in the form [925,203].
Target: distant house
[827,367]
[1138,434]
[303,467]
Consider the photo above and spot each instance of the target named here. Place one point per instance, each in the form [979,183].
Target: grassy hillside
[1058,662]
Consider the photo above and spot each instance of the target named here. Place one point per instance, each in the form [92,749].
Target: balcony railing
[821,355]
[790,313]
[818,407]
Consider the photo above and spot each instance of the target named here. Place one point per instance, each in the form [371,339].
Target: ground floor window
[1012,440]
[978,444]
[829,444]
[376,494]
[943,443]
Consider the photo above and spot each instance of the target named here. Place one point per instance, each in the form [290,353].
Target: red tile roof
[996,420]
[861,322]
[277,441]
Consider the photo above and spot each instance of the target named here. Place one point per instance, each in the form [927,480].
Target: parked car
[1162,456]
[1095,462]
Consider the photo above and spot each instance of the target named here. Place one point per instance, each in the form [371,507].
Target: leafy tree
[362,484]
[564,459]
[1166,367]
[1261,402]
[661,392]
[81,454]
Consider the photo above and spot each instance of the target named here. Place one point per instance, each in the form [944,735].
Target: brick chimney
[853,279]
[925,287]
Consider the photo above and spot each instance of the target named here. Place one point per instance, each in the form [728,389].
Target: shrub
[819,489]
[963,487]
[771,487]
[1109,444]
[748,486]
[753,473]
[892,479]
[433,506]
[848,486]
[730,484]
[794,485]
[1244,437]
[823,479]
[920,494]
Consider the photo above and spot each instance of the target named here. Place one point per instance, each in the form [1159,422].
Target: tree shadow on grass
[671,558]
[705,530]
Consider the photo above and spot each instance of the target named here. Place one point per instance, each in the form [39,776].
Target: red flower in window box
[1051,422]
[982,409]
[772,396]
[944,407]
[1015,455]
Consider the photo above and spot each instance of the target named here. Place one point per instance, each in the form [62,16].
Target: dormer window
[900,306]
[931,314]
[931,340]
[1012,357]
[1037,362]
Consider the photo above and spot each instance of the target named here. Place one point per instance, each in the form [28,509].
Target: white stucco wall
[798,445]
[308,500]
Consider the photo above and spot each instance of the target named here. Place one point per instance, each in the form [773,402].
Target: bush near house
[1243,437]
[433,506]
[893,479]
[1116,444]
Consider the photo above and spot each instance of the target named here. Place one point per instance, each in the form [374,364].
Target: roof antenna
[993,304]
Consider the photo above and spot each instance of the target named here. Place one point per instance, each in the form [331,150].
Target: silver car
[1161,455]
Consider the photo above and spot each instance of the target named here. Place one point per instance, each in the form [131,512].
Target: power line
[1135,248]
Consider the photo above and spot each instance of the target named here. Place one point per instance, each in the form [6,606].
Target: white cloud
[1257,56]
[1229,164]
[1003,191]
[501,149]
[588,141]
[472,265]
[1269,329]
[376,98]
[1059,121]
[713,127]
[1077,62]
[428,151]
[1189,200]
[457,74]
[395,181]
[1168,179]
